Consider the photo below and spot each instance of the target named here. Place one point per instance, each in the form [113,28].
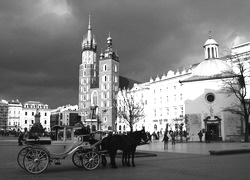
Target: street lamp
[93,114]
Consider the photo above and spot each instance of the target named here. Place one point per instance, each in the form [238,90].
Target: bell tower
[108,85]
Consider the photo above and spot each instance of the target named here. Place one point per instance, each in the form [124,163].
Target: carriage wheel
[77,158]
[91,160]
[36,160]
[21,155]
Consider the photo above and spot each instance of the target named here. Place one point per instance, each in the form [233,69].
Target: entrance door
[214,129]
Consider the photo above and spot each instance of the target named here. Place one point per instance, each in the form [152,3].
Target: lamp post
[93,114]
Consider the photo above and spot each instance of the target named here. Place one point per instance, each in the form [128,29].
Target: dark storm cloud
[40,40]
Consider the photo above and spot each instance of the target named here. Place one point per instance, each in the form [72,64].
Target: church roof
[211,67]
[126,82]
[205,78]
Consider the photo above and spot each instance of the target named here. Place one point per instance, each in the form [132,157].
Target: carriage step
[57,162]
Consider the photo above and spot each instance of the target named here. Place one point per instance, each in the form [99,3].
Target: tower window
[104,67]
[104,78]
[115,67]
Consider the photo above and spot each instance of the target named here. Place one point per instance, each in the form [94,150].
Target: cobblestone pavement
[166,165]
[193,147]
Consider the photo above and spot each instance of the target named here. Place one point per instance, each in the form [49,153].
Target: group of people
[166,138]
[207,136]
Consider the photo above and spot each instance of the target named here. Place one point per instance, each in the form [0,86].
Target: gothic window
[104,67]
[104,79]
[115,67]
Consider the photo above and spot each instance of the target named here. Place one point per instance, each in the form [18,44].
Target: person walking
[173,138]
[200,136]
[20,138]
[165,140]
[207,137]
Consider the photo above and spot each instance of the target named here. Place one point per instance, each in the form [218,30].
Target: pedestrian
[207,137]
[20,138]
[173,138]
[200,136]
[165,140]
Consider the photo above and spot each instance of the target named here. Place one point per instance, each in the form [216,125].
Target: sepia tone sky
[40,40]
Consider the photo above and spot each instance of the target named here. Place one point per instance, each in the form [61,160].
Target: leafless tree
[130,108]
[237,85]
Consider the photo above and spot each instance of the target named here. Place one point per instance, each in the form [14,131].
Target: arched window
[104,67]
[208,53]
[213,52]
[115,67]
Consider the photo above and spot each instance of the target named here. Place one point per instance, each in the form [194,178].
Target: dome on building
[210,41]
[211,67]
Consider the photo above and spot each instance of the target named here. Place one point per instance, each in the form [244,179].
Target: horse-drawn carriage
[87,150]
[41,152]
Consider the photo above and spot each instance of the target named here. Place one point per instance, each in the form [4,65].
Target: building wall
[28,114]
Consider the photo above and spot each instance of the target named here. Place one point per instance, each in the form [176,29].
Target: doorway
[214,129]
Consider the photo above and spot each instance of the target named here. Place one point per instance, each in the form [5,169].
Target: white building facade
[30,109]
[192,98]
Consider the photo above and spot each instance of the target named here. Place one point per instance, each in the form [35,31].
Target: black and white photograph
[124,89]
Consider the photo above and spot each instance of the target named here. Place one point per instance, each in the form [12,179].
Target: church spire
[109,41]
[89,41]
[89,36]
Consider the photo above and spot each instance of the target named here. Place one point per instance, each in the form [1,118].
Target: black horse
[134,138]
[126,143]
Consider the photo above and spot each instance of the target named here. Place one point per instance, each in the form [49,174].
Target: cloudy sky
[40,40]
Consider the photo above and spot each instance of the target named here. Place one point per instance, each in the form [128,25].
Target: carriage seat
[38,141]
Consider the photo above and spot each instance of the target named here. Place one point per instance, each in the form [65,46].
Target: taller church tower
[88,72]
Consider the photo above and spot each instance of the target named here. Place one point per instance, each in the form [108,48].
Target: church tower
[108,85]
[88,72]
